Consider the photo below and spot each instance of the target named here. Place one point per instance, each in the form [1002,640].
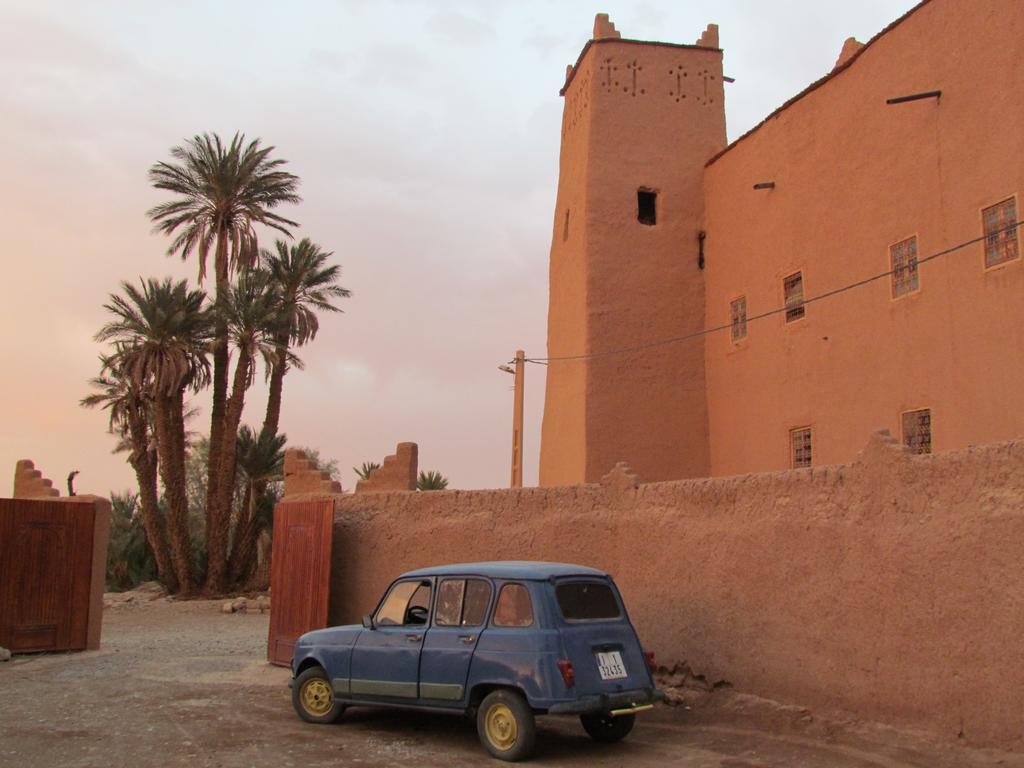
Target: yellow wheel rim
[501,728]
[317,697]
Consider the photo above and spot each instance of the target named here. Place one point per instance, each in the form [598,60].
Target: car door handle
[414,638]
[467,638]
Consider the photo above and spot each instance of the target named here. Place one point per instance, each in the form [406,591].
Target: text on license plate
[610,665]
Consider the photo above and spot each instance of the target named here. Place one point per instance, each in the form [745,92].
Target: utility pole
[517,417]
[517,422]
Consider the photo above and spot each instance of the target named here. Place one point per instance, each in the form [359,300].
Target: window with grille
[903,257]
[800,447]
[917,430]
[738,312]
[1001,241]
[793,293]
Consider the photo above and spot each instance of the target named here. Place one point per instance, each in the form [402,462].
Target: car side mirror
[368,621]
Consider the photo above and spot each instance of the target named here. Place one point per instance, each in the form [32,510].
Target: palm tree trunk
[217,542]
[277,372]
[221,361]
[171,450]
[240,560]
[145,466]
[260,580]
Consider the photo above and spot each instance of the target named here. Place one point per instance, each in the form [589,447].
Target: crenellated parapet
[850,49]
[398,472]
[301,475]
[29,482]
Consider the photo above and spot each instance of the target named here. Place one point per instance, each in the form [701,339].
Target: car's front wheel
[506,725]
[605,728]
[313,697]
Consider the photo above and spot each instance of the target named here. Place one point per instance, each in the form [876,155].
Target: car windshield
[587,601]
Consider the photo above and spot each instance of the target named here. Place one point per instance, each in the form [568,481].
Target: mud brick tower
[639,123]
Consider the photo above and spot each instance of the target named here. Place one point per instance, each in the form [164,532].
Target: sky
[426,136]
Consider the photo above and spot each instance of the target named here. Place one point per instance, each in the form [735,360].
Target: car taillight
[651,665]
[568,673]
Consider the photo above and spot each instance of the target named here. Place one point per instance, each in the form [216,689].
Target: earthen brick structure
[663,231]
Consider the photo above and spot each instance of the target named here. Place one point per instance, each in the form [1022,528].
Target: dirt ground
[182,684]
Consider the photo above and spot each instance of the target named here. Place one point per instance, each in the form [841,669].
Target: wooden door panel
[45,574]
[300,571]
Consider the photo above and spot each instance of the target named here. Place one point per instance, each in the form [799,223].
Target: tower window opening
[646,207]
[565,229]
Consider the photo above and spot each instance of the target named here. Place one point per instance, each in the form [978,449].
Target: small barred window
[800,447]
[793,293]
[738,312]
[1001,240]
[903,256]
[917,430]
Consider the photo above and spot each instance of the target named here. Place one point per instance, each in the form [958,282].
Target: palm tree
[431,481]
[250,312]
[162,333]
[260,460]
[131,419]
[305,285]
[364,471]
[221,191]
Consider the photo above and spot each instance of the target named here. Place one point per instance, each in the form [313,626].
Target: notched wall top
[850,49]
[398,473]
[29,482]
[301,475]
[605,28]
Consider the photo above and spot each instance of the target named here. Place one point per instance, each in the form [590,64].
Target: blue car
[501,642]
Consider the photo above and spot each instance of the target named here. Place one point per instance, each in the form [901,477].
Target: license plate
[610,665]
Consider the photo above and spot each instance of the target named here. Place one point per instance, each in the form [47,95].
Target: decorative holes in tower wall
[578,103]
[691,85]
[609,75]
[631,85]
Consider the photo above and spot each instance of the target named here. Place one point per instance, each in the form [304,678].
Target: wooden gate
[46,563]
[300,574]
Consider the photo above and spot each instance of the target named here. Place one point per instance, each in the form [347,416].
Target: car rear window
[587,601]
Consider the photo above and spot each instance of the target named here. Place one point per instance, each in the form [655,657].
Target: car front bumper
[622,703]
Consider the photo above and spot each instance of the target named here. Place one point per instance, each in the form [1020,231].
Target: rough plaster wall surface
[892,587]
[563,430]
[854,175]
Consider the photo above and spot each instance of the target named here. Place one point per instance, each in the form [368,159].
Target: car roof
[508,569]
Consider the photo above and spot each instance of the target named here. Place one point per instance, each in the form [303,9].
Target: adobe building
[706,316]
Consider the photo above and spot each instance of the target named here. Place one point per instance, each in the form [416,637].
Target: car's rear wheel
[313,697]
[505,724]
[605,728]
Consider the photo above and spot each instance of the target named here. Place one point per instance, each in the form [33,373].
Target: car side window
[513,608]
[462,602]
[474,604]
[408,603]
[449,602]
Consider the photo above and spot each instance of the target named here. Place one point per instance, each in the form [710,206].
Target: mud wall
[891,588]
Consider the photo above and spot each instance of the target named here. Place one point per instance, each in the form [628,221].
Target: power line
[769,313]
